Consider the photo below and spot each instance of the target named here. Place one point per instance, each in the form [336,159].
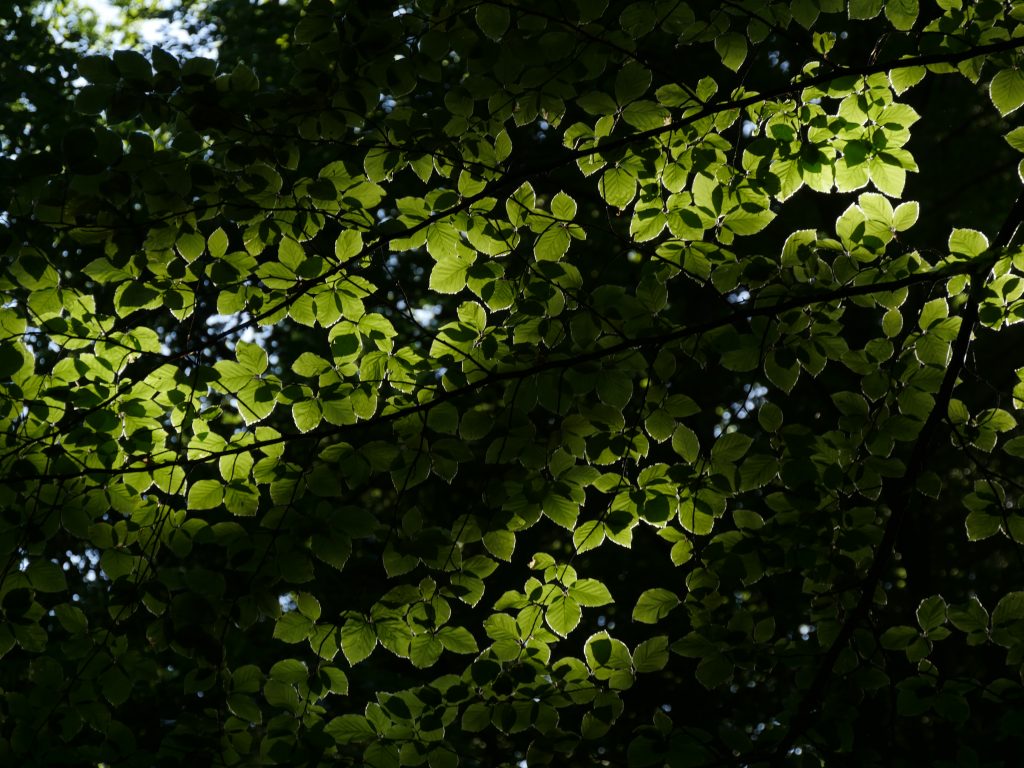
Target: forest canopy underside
[471,383]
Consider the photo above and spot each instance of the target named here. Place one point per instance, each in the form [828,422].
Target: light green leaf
[905,215]
[293,627]
[205,494]
[590,592]
[617,187]
[892,323]
[307,414]
[457,640]
[252,357]
[904,78]
[588,535]
[552,243]
[348,245]
[1007,90]
[563,615]
[967,242]
[449,274]
[217,243]
[563,207]
[888,177]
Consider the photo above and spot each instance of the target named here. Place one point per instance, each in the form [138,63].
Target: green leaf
[293,628]
[348,728]
[133,66]
[784,377]
[931,613]
[769,416]
[12,359]
[901,13]
[476,717]
[685,443]
[732,47]
[1008,620]
[981,525]
[1007,90]
[46,576]
[969,617]
[289,671]
[116,686]
[714,671]
[1015,138]
[563,614]
[244,707]
[651,655]
[898,638]
[98,69]
[865,9]
[241,499]
[561,510]
[493,20]
[631,82]
[805,12]
[654,605]
[501,543]
[730,447]
[424,650]
[357,640]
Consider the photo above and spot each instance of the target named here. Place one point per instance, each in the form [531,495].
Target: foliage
[464,383]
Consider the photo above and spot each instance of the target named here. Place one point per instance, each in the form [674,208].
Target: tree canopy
[484,383]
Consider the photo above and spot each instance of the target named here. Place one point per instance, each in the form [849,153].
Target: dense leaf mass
[452,382]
